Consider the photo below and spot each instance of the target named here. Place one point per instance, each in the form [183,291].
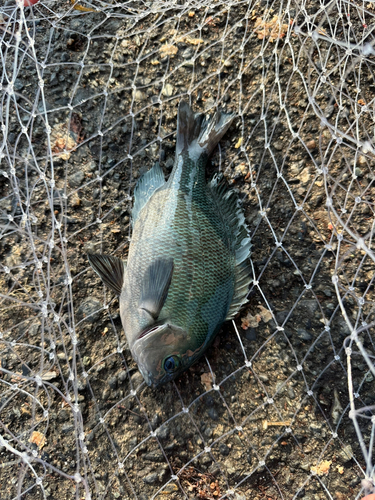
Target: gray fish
[188,266]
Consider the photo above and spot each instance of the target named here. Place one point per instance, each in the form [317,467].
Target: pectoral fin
[155,286]
[110,269]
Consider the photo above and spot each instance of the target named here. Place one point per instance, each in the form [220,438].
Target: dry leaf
[206,379]
[322,468]
[239,143]
[38,438]
[168,50]
[272,29]
[250,321]
[49,376]
[265,314]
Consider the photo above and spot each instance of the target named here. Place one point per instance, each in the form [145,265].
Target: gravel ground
[266,414]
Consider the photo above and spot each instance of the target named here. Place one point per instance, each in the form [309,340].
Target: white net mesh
[283,404]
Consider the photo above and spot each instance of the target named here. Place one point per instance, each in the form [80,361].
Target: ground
[92,105]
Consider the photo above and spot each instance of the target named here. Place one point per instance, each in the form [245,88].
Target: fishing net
[282,406]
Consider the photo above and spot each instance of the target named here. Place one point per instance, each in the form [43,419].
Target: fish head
[163,352]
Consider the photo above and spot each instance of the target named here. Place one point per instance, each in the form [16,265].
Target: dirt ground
[266,414]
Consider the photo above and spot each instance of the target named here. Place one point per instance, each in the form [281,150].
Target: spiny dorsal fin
[196,134]
[110,269]
[145,188]
[155,286]
[230,208]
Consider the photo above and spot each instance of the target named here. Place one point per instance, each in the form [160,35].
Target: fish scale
[188,265]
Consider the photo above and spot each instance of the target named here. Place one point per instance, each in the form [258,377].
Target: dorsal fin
[110,269]
[155,286]
[231,211]
[145,188]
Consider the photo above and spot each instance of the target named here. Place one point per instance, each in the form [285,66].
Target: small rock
[76,179]
[139,96]
[151,478]
[208,432]
[136,379]
[112,382]
[212,413]
[305,176]
[311,144]
[169,163]
[303,334]
[251,334]
[278,145]
[154,456]
[156,420]
[90,310]
[291,393]
[86,361]
[346,453]
[18,85]
[224,449]
[162,432]
[188,53]
[105,394]
[122,376]
[167,90]
[67,427]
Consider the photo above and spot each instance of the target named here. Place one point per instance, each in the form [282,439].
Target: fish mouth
[150,330]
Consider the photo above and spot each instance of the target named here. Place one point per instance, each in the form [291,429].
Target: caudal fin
[196,134]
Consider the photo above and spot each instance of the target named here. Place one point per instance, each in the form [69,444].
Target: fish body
[188,266]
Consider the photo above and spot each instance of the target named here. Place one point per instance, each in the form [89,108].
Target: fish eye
[171,364]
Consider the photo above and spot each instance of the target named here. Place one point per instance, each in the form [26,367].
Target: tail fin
[196,134]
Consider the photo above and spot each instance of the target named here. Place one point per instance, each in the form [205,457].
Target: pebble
[112,382]
[224,449]
[76,179]
[303,334]
[151,478]
[156,420]
[154,456]
[67,427]
[105,394]
[136,379]
[212,413]
[346,453]
[122,376]
[86,361]
[167,90]
[169,163]
[162,432]
[251,334]
[291,393]
[89,309]
[188,53]
[138,95]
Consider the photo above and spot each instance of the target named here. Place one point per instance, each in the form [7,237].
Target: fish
[188,268]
